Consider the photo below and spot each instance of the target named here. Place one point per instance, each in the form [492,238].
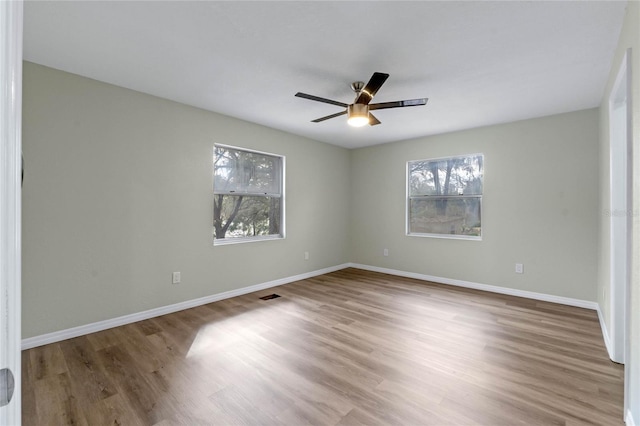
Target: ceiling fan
[359,111]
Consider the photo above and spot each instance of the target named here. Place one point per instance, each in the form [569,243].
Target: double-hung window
[444,197]
[248,201]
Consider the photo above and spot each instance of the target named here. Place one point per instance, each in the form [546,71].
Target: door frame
[11,14]
[621,213]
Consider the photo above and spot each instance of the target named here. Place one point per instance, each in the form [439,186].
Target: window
[445,197]
[248,202]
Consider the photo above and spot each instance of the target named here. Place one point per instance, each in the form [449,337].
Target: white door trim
[621,212]
[10,207]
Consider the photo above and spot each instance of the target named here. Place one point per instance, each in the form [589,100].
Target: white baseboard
[485,287]
[605,333]
[629,419]
[82,330]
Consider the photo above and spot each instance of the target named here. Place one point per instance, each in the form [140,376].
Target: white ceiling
[479,63]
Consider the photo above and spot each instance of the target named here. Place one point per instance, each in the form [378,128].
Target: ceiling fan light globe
[358,121]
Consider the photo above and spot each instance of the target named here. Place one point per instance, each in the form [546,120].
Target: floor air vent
[271,296]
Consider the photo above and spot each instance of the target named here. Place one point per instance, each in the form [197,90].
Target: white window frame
[452,196]
[241,240]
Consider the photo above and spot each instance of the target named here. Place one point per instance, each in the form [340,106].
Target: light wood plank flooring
[347,348]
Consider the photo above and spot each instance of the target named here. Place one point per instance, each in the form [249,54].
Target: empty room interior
[209,238]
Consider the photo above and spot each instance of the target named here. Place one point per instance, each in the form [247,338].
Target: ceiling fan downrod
[357,87]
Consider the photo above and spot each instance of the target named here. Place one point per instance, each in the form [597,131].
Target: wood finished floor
[347,348]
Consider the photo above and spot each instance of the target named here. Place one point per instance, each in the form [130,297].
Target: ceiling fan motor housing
[358,110]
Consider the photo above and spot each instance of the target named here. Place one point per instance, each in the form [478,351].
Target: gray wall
[539,206]
[118,194]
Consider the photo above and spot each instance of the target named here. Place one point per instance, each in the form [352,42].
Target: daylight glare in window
[247,195]
[445,197]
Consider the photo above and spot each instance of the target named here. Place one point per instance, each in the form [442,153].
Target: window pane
[238,216]
[447,176]
[452,216]
[246,172]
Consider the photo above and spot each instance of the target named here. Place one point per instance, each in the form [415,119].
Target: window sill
[230,241]
[447,236]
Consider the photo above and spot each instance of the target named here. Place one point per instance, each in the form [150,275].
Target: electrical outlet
[519,268]
[175,278]
[385,252]
[306,255]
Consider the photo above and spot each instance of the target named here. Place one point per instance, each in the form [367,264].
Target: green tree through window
[247,200]
[445,196]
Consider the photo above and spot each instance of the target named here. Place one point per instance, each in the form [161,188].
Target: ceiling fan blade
[397,104]
[319,99]
[373,121]
[338,114]
[372,87]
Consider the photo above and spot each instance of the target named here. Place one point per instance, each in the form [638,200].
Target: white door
[10,194]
